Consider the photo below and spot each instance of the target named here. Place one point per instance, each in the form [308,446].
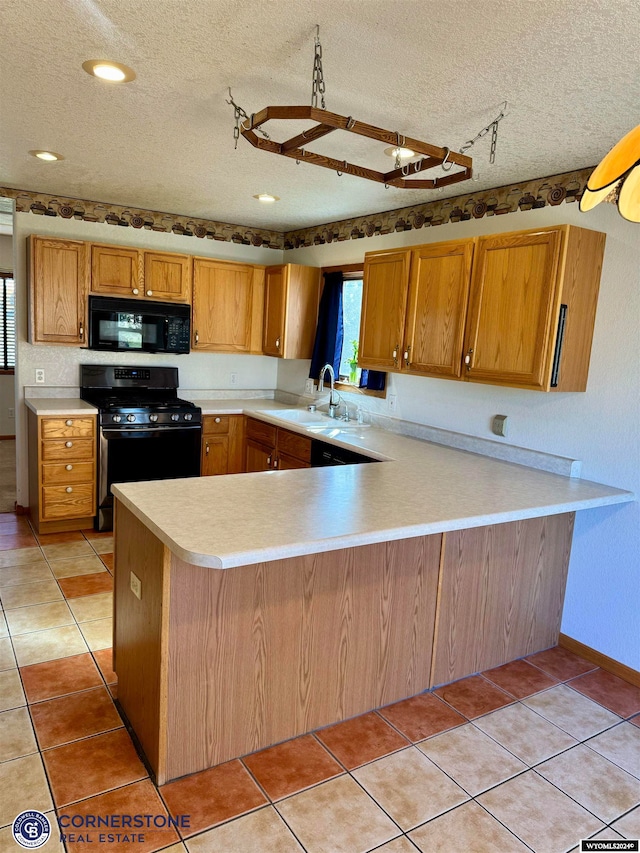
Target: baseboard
[21,510]
[7,438]
[603,661]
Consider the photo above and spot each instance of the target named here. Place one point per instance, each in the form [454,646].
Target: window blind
[7,321]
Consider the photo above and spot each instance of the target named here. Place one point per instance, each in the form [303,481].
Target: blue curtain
[327,348]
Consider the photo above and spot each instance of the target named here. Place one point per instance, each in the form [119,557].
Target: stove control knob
[188,417]
[175,417]
[117,418]
[131,418]
[153,418]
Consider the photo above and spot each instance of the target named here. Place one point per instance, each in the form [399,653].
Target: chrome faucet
[333,406]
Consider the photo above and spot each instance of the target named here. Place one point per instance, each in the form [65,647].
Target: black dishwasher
[329,454]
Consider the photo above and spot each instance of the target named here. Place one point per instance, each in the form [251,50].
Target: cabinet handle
[467,359]
[68,490]
[81,331]
[278,343]
[197,336]
[68,423]
[135,291]
[269,461]
[206,451]
[69,467]
[395,355]
[149,292]
[406,356]
[217,420]
[275,463]
[68,444]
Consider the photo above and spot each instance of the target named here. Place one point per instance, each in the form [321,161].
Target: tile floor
[533,755]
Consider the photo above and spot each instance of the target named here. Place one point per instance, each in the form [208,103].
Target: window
[351,311]
[7,322]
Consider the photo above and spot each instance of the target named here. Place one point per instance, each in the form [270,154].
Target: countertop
[52,406]
[423,488]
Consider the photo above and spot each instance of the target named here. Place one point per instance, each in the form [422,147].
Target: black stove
[146,431]
[137,396]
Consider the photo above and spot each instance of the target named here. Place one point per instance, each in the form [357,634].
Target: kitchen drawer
[66,474]
[67,427]
[58,503]
[292,444]
[71,450]
[260,431]
[215,424]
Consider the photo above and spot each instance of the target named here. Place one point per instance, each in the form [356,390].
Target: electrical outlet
[309,387]
[39,375]
[11,412]
[136,585]
[234,378]
[499,425]
[393,402]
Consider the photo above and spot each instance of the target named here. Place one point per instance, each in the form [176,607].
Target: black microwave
[132,325]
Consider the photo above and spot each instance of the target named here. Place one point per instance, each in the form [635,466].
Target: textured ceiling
[437,71]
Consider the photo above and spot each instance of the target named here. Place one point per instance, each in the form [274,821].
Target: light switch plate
[136,585]
[309,387]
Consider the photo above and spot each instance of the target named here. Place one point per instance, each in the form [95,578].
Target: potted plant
[353,364]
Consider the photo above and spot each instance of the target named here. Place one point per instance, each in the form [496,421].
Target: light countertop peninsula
[60,406]
[421,488]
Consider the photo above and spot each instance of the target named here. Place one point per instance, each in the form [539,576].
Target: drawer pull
[149,292]
[69,489]
[69,467]
[69,423]
[68,444]
[217,420]
[135,291]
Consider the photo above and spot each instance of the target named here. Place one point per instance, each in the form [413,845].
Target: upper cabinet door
[58,287]
[384,300]
[513,303]
[275,301]
[116,270]
[222,306]
[438,295]
[167,277]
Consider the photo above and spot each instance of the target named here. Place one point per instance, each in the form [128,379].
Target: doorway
[7,361]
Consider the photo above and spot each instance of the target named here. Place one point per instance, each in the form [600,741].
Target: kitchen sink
[313,420]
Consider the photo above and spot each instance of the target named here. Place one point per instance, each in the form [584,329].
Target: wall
[61,363]
[599,427]
[7,383]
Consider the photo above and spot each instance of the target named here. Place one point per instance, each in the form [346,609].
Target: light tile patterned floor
[532,755]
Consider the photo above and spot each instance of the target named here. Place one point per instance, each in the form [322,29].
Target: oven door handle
[110,433]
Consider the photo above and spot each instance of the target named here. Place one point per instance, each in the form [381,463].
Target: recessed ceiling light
[403,153]
[267,198]
[114,72]
[48,156]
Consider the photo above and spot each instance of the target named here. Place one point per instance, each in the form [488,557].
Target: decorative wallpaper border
[45,204]
[567,187]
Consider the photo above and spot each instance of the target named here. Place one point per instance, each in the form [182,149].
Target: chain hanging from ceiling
[429,155]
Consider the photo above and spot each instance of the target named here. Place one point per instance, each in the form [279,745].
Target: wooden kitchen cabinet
[58,287]
[512,309]
[532,308]
[292,295]
[222,445]
[413,309]
[120,271]
[62,472]
[270,448]
[228,303]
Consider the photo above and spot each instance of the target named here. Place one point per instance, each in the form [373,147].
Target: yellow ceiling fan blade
[590,199]
[629,198]
[619,160]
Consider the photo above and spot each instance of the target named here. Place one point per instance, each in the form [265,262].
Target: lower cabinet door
[215,455]
[259,457]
